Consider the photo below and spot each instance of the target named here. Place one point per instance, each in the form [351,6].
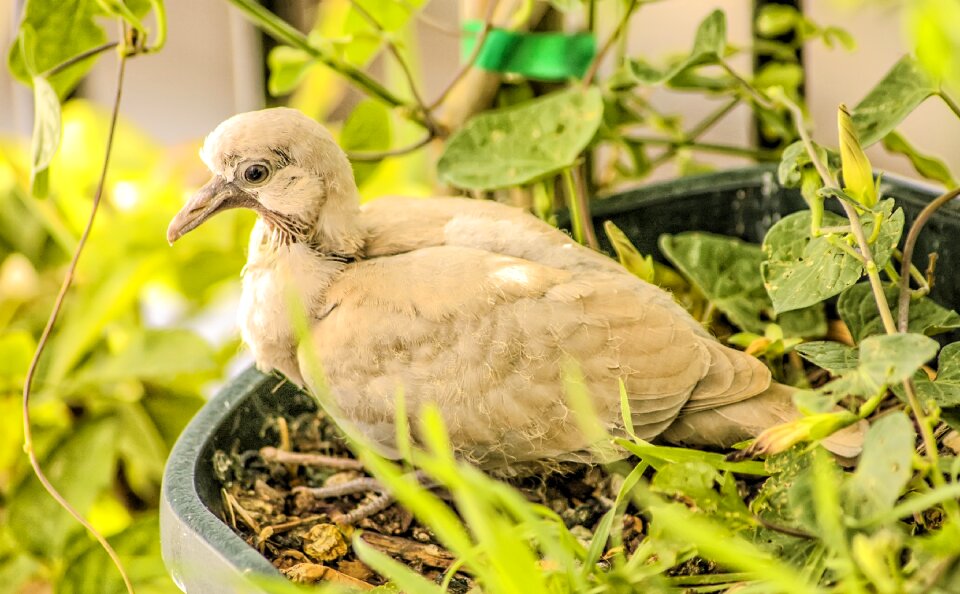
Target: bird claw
[382,501]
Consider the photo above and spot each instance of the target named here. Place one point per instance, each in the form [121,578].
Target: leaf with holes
[945,389]
[832,356]
[522,143]
[858,309]
[801,270]
[884,468]
[726,270]
[905,87]
[891,358]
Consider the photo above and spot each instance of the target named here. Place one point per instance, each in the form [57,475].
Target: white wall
[207,71]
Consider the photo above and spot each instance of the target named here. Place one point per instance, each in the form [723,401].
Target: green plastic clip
[539,56]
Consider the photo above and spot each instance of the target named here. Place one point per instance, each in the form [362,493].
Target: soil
[302,537]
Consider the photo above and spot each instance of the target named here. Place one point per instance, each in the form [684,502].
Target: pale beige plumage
[474,306]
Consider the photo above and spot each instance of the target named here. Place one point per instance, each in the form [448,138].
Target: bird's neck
[334,232]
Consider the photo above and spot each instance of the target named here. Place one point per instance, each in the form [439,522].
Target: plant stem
[598,59]
[701,128]
[909,244]
[285,33]
[579,213]
[79,58]
[404,66]
[950,103]
[761,99]
[759,154]
[51,322]
[378,156]
[474,54]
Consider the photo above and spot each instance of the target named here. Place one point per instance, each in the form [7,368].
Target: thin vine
[128,48]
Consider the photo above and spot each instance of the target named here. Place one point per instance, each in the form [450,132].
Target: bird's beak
[217,195]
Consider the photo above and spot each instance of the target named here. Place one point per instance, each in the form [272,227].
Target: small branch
[52,320]
[404,66]
[79,58]
[950,103]
[583,203]
[436,25]
[474,54]
[698,130]
[711,120]
[283,32]
[869,264]
[761,99]
[759,154]
[272,454]
[378,156]
[598,59]
[909,244]
[783,529]
[930,444]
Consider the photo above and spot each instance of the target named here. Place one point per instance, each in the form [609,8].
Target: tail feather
[726,425]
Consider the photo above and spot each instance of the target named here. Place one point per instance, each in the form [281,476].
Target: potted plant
[560,140]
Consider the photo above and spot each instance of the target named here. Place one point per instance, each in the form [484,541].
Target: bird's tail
[726,425]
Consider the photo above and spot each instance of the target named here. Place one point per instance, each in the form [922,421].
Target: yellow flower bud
[857,172]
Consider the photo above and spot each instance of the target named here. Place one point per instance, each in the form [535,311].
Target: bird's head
[279,163]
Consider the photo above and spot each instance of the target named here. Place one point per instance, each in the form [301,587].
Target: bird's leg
[384,498]
[382,501]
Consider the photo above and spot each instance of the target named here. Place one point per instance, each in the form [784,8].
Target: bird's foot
[383,499]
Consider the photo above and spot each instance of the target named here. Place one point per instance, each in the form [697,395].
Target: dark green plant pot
[205,556]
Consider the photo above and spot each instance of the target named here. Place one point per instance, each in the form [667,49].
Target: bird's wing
[486,337]
[396,225]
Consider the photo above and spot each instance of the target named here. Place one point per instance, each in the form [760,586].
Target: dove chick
[475,307]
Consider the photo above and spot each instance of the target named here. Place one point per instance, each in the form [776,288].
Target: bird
[474,307]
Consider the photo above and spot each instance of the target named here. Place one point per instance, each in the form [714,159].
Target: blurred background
[213,67]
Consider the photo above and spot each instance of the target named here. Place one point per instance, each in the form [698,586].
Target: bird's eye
[256,173]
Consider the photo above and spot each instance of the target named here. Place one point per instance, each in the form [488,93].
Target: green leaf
[903,88]
[92,571]
[801,270]
[858,309]
[63,29]
[892,358]
[697,482]
[522,143]
[367,129]
[46,131]
[795,159]
[884,468]
[288,67]
[832,356]
[927,166]
[15,571]
[364,39]
[157,355]
[80,467]
[945,389]
[774,20]
[779,74]
[94,310]
[725,270]
[708,47]
[641,266]
[16,350]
